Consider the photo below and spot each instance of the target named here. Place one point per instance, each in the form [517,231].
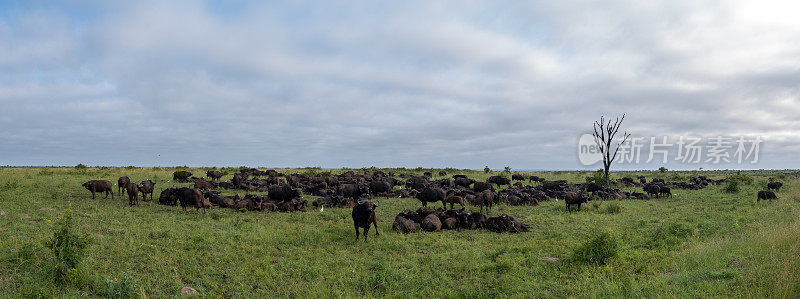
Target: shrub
[486,169]
[732,186]
[741,178]
[598,177]
[598,249]
[662,169]
[121,287]
[80,166]
[68,249]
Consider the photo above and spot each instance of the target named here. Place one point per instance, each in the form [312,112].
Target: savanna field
[707,243]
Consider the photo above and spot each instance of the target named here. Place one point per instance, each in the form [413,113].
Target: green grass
[704,243]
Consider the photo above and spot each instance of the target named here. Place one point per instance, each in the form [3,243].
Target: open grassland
[697,243]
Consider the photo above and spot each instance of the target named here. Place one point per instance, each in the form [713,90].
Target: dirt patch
[46,209]
[25,216]
[2,212]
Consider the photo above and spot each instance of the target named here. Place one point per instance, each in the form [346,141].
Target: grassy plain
[704,243]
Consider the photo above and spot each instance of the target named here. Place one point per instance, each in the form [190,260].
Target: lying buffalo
[167,198]
[99,186]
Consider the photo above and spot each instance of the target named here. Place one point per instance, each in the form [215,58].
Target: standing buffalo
[133,194]
[774,186]
[181,176]
[573,198]
[122,183]
[146,187]
[363,216]
[485,198]
[191,196]
[214,175]
[517,177]
[99,186]
[766,195]
[432,195]
[498,180]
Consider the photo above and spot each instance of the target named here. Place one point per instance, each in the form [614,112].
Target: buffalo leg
[357,234]
[375,223]
[366,232]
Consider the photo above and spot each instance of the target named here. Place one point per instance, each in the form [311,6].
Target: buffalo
[282,193]
[573,198]
[353,191]
[454,200]
[181,176]
[191,196]
[364,216]
[133,194]
[766,195]
[517,177]
[432,195]
[431,223]
[481,186]
[146,187]
[167,198]
[214,175]
[122,183]
[774,186]
[99,186]
[485,198]
[498,180]
[403,225]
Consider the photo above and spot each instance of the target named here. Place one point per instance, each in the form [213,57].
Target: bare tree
[604,132]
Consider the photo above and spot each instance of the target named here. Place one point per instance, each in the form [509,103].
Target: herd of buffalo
[355,190]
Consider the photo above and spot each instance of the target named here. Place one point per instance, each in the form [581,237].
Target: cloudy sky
[389,83]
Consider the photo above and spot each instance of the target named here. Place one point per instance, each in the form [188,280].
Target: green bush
[121,287]
[68,250]
[80,166]
[741,178]
[486,169]
[597,177]
[732,186]
[662,169]
[598,249]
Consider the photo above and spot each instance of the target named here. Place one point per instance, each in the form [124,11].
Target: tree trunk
[605,172]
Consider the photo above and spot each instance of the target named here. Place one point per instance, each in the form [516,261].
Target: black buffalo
[774,186]
[282,193]
[214,175]
[766,195]
[181,176]
[122,183]
[364,216]
[99,186]
[146,187]
[431,195]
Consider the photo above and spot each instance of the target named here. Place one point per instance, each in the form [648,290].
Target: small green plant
[486,169]
[121,286]
[68,249]
[507,169]
[662,169]
[611,208]
[80,166]
[598,249]
[732,186]
[669,235]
